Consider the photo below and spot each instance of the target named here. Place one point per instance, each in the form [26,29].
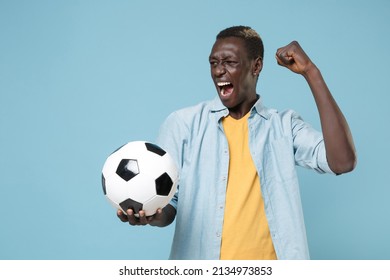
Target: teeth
[221,85]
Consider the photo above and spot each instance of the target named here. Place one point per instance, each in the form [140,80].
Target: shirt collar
[222,111]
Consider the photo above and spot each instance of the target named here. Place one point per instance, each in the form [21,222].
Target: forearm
[340,150]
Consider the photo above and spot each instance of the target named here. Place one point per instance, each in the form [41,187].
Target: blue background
[80,78]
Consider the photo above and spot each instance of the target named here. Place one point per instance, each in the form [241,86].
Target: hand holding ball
[139,176]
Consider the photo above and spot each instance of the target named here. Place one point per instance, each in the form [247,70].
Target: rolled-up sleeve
[309,146]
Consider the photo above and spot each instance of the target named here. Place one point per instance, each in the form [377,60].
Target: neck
[241,110]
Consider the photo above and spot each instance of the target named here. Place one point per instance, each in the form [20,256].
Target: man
[239,196]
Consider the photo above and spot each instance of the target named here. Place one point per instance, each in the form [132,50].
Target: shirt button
[218,234]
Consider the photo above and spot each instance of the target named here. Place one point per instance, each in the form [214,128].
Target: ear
[257,66]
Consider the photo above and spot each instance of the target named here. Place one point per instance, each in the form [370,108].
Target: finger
[284,58]
[158,213]
[278,60]
[122,216]
[142,217]
[132,219]
[156,216]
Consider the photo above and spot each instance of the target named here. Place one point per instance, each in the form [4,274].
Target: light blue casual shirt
[278,142]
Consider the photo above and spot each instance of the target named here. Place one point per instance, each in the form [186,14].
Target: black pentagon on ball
[127,169]
[131,204]
[104,185]
[164,184]
[155,149]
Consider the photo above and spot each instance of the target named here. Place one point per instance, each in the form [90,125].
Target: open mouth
[225,88]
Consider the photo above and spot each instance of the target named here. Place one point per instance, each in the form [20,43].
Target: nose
[218,70]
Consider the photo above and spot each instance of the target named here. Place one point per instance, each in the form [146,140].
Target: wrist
[311,71]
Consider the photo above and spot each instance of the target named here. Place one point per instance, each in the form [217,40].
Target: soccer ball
[139,176]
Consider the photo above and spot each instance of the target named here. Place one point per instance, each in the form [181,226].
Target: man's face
[232,73]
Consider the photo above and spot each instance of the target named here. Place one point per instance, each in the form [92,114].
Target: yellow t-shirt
[245,234]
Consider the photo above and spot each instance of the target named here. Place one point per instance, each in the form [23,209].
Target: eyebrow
[222,57]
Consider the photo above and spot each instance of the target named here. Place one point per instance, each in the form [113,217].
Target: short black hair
[252,39]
